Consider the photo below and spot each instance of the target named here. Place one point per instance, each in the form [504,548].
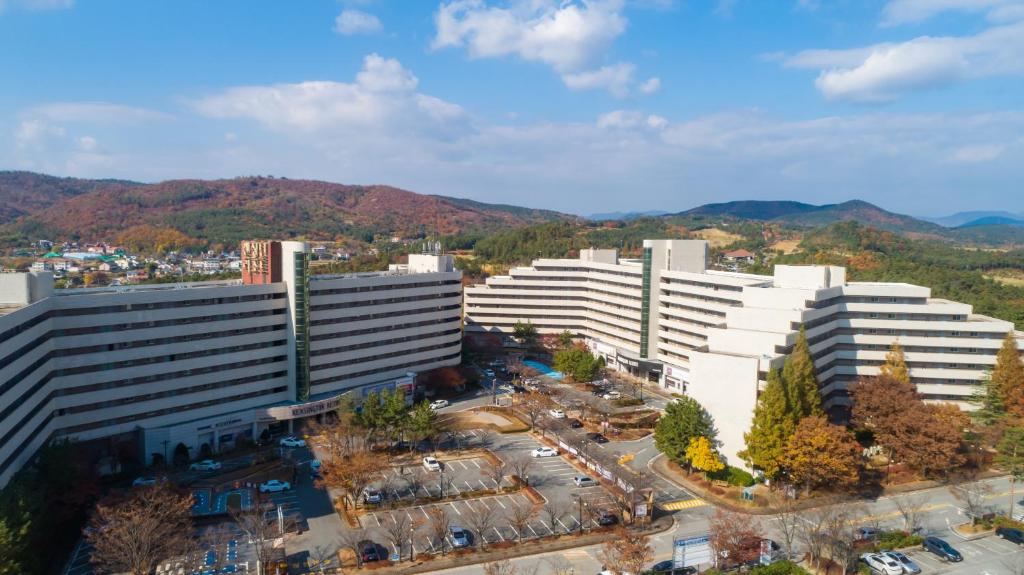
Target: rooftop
[145,288]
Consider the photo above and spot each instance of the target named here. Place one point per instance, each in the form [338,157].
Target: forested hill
[34,206]
[798,213]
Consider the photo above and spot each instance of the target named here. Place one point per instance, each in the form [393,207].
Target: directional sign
[691,552]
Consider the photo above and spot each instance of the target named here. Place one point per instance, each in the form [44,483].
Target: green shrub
[627,402]
[734,476]
[1004,521]
[889,540]
[780,568]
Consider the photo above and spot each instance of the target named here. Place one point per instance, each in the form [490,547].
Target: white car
[881,564]
[274,486]
[612,395]
[431,464]
[292,441]
[205,465]
[438,403]
[556,413]
[544,452]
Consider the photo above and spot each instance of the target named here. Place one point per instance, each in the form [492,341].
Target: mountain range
[34,206]
[197,212]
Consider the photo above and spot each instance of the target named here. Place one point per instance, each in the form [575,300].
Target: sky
[581,106]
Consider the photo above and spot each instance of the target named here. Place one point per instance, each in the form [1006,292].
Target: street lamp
[579,501]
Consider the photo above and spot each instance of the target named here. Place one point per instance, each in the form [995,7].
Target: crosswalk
[682,504]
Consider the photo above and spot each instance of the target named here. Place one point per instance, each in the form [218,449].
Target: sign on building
[691,552]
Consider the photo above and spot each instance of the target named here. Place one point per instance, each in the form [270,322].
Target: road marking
[424,511]
[455,508]
[482,484]
[530,527]
[468,486]
[498,532]
[475,462]
[484,503]
[682,504]
[562,524]
[498,500]
[374,515]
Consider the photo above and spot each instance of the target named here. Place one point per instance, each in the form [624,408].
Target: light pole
[579,501]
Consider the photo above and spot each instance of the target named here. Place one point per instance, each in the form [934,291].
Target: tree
[821,454]
[895,366]
[972,494]
[554,510]
[521,465]
[525,332]
[787,521]
[629,552]
[800,379]
[136,533]
[12,535]
[352,472]
[397,527]
[520,518]
[533,407]
[422,422]
[439,523]
[911,509]
[882,404]
[988,397]
[702,457]
[1011,458]
[565,338]
[735,539]
[772,427]
[351,539]
[931,439]
[683,420]
[495,471]
[577,362]
[260,529]
[1008,375]
[481,519]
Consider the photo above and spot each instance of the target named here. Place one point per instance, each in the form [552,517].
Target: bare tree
[839,533]
[481,519]
[554,511]
[396,528]
[629,552]
[351,539]
[351,472]
[735,539]
[520,517]
[136,533]
[439,524]
[972,495]
[495,470]
[260,530]
[324,556]
[786,521]
[414,480]
[499,568]
[813,524]
[445,481]
[911,508]
[521,466]
[387,488]
[534,408]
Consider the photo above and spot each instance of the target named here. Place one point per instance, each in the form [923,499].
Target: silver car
[905,562]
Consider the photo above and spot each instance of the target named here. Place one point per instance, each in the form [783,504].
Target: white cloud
[352,21]
[33,132]
[651,86]
[95,113]
[571,36]
[616,78]
[897,12]
[382,97]
[977,153]
[87,143]
[883,72]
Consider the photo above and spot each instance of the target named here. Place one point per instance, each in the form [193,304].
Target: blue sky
[580,106]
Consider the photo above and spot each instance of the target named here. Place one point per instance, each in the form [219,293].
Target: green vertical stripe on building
[645,305]
[301,327]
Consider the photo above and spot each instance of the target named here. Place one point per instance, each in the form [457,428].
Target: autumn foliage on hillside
[250,207]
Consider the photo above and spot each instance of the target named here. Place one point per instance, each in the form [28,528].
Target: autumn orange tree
[881,404]
[821,454]
[735,539]
[629,552]
[931,438]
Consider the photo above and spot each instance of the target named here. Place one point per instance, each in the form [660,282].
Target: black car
[575,423]
[606,517]
[665,568]
[942,549]
[597,438]
[1011,534]
[373,552]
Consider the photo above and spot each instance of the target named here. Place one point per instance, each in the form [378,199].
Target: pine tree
[1008,376]
[772,427]
[895,365]
[800,380]
[989,399]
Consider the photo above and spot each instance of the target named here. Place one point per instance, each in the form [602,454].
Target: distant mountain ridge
[960,219]
[626,216]
[34,206]
[799,213]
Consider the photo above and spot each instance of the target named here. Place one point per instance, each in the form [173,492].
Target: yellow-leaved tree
[702,457]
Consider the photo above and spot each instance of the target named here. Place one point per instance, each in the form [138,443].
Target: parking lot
[989,555]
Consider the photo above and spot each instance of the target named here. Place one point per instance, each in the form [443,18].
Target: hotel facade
[715,335]
[143,369]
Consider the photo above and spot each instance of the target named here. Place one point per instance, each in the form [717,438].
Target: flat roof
[145,288]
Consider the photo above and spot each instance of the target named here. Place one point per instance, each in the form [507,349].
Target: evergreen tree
[1008,376]
[895,365]
[771,429]
[684,420]
[989,399]
[800,380]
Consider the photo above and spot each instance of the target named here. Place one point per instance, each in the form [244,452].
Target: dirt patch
[786,246]
[717,237]
[494,418]
[1007,277]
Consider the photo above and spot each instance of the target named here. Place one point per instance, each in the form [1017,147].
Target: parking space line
[562,524]
[482,484]
[530,527]
[424,511]
[498,501]
[468,486]
[498,532]
[452,503]
[518,536]
[484,503]
[475,462]
[464,467]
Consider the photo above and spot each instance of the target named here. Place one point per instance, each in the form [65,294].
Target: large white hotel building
[715,335]
[143,369]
